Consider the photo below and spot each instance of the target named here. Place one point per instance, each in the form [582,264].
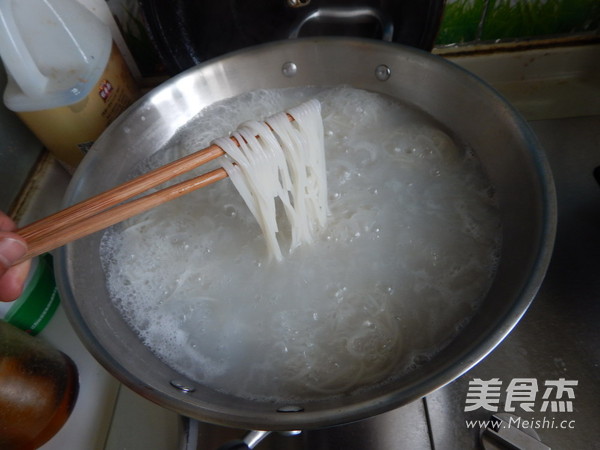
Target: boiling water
[408,253]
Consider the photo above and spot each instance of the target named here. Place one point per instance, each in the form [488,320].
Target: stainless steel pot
[470,109]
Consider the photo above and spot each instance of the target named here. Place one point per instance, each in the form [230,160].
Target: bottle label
[69,131]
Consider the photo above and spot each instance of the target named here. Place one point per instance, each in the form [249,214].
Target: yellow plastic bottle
[66,78]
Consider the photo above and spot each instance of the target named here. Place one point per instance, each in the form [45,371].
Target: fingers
[12,282]
[12,247]
[6,223]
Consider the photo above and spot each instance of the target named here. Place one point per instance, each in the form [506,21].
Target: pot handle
[251,440]
[352,15]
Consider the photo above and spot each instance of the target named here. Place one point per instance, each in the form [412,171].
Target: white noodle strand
[285,160]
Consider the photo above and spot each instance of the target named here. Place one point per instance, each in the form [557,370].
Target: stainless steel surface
[504,434]
[403,428]
[255,437]
[558,336]
[347,16]
[475,114]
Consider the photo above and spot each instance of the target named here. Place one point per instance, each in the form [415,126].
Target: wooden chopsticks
[107,208]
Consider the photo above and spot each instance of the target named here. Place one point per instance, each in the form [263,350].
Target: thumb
[12,247]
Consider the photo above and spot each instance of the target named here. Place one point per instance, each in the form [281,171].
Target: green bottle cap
[37,304]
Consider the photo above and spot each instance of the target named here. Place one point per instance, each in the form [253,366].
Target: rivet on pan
[290,408]
[182,386]
[289,69]
[382,72]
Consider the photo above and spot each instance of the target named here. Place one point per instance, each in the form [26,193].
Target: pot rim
[332,413]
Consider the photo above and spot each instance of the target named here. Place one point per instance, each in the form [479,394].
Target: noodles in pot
[392,245]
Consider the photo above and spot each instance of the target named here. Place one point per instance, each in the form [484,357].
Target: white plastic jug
[66,79]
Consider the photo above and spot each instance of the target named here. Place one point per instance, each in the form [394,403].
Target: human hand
[12,247]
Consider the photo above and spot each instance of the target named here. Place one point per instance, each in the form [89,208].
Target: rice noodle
[281,159]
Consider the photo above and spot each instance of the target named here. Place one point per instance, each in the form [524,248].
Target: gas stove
[538,389]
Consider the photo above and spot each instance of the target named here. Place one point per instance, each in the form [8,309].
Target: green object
[37,304]
[469,21]
[508,19]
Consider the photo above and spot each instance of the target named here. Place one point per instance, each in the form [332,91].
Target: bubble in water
[230,210]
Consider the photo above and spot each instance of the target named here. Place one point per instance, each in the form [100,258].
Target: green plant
[464,20]
[510,19]
[460,22]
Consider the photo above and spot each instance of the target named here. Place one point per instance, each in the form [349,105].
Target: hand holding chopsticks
[111,207]
[107,208]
